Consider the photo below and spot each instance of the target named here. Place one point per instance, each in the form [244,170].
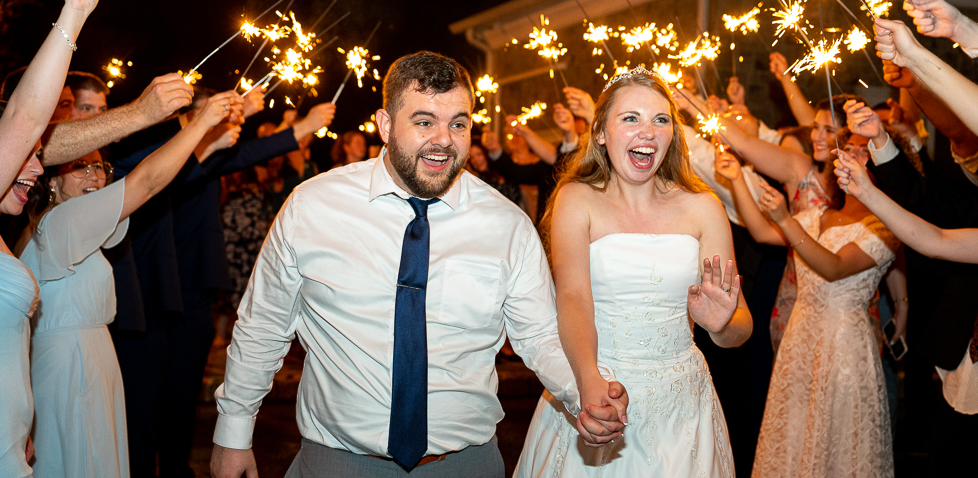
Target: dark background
[166,36]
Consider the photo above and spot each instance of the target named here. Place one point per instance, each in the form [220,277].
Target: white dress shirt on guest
[702,159]
[327,274]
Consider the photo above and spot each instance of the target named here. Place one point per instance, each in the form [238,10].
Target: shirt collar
[381,183]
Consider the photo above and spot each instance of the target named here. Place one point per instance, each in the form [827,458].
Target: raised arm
[70,140]
[760,227]
[159,168]
[546,151]
[964,142]
[783,164]
[33,101]
[716,304]
[937,18]
[831,266]
[800,107]
[895,42]
[956,245]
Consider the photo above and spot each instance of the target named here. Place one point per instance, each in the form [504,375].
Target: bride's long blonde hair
[592,166]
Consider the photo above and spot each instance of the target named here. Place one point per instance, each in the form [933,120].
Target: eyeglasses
[80,169]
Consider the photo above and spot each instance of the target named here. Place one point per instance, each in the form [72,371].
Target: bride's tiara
[629,73]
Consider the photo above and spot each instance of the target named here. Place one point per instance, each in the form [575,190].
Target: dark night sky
[164,36]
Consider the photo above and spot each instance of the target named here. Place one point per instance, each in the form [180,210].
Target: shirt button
[411,216]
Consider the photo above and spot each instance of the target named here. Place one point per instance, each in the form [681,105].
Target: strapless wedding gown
[675,426]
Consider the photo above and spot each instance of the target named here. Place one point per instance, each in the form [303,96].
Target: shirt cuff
[566,147]
[970,51]
[884,154]
[767,134]
[234,432]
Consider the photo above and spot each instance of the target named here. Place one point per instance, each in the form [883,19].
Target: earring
[51,194]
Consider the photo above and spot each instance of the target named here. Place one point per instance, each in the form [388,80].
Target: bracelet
[901,299]
[799,242]
[71,44]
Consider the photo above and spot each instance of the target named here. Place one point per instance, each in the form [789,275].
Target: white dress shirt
[327,274]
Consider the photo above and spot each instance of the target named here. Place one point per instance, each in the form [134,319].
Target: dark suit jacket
[943,308]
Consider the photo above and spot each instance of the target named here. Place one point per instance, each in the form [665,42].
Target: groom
[402,279]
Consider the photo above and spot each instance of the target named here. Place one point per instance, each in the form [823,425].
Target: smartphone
[899,348]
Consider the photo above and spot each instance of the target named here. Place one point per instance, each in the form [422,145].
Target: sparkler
[791,18]
[710,124]
[529,113]
[638,36]
[702,47]
[746,23]
[599,34]
[482,116]
[665,71]
[856,39]
[545,42]
[484,86]
[356,59]
[114,69]
[876,8]
[189,77]
[249,30]
[820,55]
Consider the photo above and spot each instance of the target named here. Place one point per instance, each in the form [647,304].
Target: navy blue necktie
[408,436]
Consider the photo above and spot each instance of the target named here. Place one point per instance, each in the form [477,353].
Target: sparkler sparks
[746,24]
[665,71]
[482,116]
[791,18]
[710,125]
[638,36]
[821,54]
[597,34]
[877,8]
[545,42]
[856,40]
[190,78]
[487,85]
[529,113]
[702,47]
[292,68]
[356,61]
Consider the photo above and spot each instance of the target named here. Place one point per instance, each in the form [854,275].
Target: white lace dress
[826,412]
[676,426]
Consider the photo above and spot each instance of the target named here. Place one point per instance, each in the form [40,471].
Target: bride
[630,227]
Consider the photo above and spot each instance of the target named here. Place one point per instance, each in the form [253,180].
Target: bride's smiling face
[638,133]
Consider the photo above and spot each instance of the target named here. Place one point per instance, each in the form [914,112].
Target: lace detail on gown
[676,426]
[826,412]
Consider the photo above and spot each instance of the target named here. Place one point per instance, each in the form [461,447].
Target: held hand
[862,120]
[736,92]
[853,177]
[580,103]
[934,18]
[218,107]
[289,117]
[321,115]
[682,101]
[726,165]
[774,204]
[564,118]
[232,463]
[603,407]
[895,42]
[713,303]
[778,65]
[898,77]
[164,96]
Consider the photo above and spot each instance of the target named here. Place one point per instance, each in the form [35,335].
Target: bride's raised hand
[713,303]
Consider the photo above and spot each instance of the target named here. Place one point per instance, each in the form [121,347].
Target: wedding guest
[22,122]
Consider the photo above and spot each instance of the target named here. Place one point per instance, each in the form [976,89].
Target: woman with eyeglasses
[80,423]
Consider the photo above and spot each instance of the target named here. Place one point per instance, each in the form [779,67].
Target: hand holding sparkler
[898,77]
[895,42]
[164,96]
[254,102]
[726,165]
[580,103]
[852,174]
[778,65]
[862,120]
[319,117]
[218,108]
[736,92]
[222,136]
[717,104]
[490,141]
[774,204]
[937,18]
